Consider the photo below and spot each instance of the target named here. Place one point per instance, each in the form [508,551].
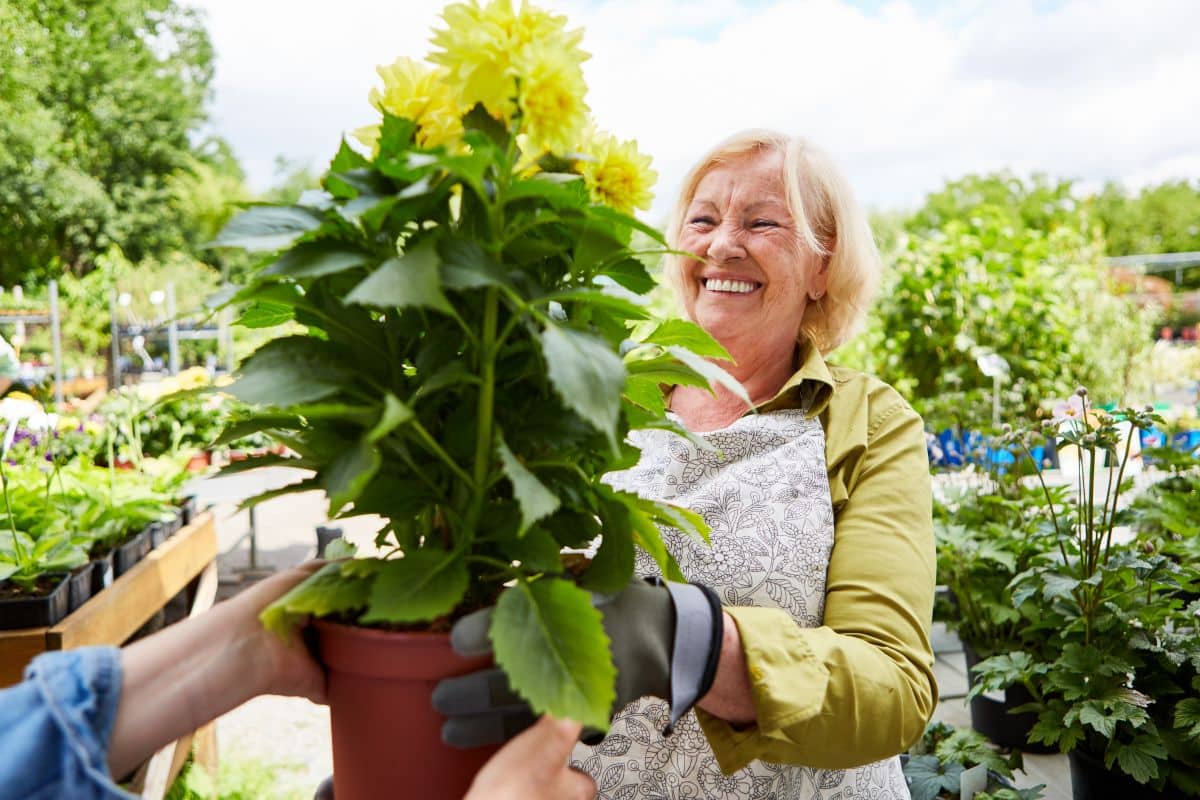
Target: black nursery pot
[991,717]
[36,612]
[157,531]
[79,587]
[102,573]
[1091,781]
[128,554]
[188,509]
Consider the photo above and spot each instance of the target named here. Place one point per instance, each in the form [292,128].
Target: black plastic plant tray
[102,573]
[158,533]
[35,612]
[128,554]
[79,587]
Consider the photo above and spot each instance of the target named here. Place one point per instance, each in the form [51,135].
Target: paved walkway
[292,735]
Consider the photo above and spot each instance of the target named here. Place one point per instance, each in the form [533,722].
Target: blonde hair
[828,221]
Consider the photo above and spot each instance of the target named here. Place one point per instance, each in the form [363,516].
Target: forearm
[181,678]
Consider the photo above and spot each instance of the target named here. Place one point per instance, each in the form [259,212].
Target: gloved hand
[666,641]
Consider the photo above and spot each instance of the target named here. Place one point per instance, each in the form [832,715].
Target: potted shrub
[468,374]
[986,536]
[953,763]
[1113,650]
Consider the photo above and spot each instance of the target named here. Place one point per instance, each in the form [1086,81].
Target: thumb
[469,636]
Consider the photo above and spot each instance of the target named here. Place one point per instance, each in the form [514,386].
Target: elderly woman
[804,642]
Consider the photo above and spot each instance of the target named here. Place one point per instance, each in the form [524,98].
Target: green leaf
[313,259]
[327,591]
[1138,759]
[466,266]
[625,220]
[689,335]
[588,376]
[549,640]
[683,519]
[6,569]
[648,537]
[409,280]
[293,369]
[306,485]
[537,551]
[265,315]
[664,369]
[609,299]
[632,274]
[394,414]
[1091,714]
[1187,715]
[339,549]
[349,473]
[535,500]
[612,567]
[711,372]
[423,585]
[928,777]
[646,393]
[266,228]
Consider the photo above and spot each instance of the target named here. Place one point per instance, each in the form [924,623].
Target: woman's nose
[726,244]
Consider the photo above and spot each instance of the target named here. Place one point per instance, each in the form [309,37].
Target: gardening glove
[666,641]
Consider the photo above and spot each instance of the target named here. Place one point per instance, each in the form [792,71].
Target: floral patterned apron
[764,492]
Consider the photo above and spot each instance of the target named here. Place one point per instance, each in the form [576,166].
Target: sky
[904,94]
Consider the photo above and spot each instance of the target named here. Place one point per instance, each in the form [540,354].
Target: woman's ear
[818,279]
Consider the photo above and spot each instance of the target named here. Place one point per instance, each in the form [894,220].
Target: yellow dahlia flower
[615,173]
[417,92]
[551,85]
[482,46]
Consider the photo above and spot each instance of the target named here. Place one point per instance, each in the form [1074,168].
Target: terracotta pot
[386,734]
[199,462]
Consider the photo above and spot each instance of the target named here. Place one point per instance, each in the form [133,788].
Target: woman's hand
[533,766]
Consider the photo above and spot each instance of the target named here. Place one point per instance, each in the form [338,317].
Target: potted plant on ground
[1114,668]
[985,536]
[467,374]
[959,764]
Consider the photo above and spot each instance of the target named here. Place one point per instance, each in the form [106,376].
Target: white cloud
[903,96]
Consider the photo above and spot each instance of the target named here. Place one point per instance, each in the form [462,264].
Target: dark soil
[42,587]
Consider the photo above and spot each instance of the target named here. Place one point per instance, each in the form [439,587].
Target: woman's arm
[193,672]
[860,687]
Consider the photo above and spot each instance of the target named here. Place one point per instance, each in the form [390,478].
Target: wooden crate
[116,613]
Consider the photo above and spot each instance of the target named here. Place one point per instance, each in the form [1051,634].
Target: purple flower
[1070,411]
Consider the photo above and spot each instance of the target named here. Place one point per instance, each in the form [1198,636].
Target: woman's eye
[764,223]
[700,221]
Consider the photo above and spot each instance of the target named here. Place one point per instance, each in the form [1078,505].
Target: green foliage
[1158,219]
[935,766]
[462,369]
[1111,632]
[997,265]
[99,105]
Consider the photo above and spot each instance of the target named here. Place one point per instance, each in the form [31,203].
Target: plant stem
[435,448]
[484,435]
[12,524]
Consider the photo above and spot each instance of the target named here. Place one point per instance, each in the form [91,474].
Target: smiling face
[755,278]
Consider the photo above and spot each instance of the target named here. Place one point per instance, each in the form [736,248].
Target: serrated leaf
[290,370]
[537,551]
[711,372]
[612,566]
[266,228]
[1187,715]
[549,639]
[928,777]
[349,473]
[423,585]
[265,315]
[535,500]
[632,274]
[408,280]
[648,537]
[394,415]
[1089,714]
[327,591]
[466,266]
[588,376]
[1138,759]
[646,393]
[339,549]
[313,259]
[678,332]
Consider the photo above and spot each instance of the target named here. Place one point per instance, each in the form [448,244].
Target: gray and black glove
[666,642]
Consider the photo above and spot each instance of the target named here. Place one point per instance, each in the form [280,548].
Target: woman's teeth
[740,287]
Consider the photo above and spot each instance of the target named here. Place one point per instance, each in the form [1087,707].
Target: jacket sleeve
[860,688]
[55,726]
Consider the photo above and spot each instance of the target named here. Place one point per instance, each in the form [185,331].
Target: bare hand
[533,766]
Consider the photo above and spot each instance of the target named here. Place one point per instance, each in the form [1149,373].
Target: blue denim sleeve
[55,726]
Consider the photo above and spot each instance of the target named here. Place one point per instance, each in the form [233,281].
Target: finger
[483,729]
[469,636]
[476,693]
[575,785]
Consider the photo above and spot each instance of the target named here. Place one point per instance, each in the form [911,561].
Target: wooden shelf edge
[116,613]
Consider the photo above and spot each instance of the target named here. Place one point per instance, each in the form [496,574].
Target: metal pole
[114,372]
[172,332]
[996,400]
[225,336]
[56,342]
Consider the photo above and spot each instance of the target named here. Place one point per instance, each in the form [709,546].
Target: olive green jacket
[860,688]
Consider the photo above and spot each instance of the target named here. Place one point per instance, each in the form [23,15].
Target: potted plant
[468,374]
[1113,653]
[985,536]
[954,763]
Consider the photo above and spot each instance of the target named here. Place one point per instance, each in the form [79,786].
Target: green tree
[100,101]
